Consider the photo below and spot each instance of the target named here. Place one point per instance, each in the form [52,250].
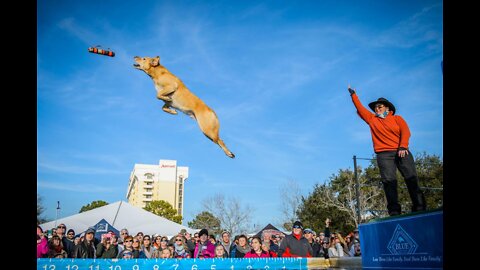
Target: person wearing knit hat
[202,232]
[298,225]
[204,248]
[390,136]
[295,244]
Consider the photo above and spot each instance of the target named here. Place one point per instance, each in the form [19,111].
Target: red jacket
[389,133]
[253,254]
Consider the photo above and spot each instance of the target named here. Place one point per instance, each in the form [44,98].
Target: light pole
[357,189]
[56,216]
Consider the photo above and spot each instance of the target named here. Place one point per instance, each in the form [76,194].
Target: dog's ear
[155,61]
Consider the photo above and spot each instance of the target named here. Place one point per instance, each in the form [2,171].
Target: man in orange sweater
[390,135]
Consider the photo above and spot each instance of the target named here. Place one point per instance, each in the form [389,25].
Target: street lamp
[56,216]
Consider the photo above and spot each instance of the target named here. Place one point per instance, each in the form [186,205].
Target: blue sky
[275,72]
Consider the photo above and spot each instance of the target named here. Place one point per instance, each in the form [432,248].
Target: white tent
[121,215]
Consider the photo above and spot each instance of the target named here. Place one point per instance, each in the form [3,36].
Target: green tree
[164,209]
[40,210]
[430,174]
[206,220]
[93,205]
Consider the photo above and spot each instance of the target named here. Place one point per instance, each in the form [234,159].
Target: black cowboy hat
[383,101]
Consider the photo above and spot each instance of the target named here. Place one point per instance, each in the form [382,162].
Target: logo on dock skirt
[401,242]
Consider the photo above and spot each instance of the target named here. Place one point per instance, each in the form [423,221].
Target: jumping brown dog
[176,95]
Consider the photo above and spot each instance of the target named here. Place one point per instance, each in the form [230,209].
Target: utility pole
[357,189]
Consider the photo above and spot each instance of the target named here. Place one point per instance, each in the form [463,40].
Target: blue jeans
[388,162]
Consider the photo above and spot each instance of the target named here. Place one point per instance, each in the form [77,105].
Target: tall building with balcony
[164,181]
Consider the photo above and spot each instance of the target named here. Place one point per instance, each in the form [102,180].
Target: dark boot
[391,194]
[393,213]
[418,202]
[416,195]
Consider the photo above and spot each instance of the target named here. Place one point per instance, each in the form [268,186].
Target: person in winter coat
[295,245]
[106,249]
[257,251]
[86,249]
[42,243]
[204,248]
[241,248]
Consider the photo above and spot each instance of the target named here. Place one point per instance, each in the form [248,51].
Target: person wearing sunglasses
[390,136]
[147,246]
[70,235]
[127,254]
[157,253]
[127,247]
[67,245]
[295,244]
[180,248]
[156,242]
[123,234]
[137,249]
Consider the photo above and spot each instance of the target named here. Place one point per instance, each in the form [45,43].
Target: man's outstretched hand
[351,90]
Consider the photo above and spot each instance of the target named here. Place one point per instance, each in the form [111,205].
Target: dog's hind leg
[208,123]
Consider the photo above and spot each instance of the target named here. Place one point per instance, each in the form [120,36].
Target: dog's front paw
[165,98]
[169,110]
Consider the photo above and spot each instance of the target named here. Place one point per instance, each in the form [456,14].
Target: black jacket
[84,250]
[315,248]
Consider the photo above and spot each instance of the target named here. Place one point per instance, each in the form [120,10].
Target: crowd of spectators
[301,242]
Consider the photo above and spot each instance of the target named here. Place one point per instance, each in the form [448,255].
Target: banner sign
[409,242]
[172,264]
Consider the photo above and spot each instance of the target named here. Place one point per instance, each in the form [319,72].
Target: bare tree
[234,216]
[40,210]
[291,199]
[340,193]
